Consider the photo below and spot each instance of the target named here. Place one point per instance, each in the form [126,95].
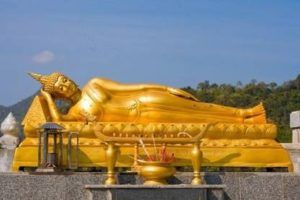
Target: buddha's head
[57,84]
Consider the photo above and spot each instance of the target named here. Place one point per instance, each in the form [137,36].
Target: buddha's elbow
[56,119]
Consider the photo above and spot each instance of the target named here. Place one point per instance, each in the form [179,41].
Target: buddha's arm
[54,112]
[115,87]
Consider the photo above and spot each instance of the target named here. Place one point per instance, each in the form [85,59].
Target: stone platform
[242,185]
[162,192]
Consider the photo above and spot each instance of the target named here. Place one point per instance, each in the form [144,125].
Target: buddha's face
[65,87]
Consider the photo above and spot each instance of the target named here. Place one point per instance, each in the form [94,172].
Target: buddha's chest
[115,109]
[87,110]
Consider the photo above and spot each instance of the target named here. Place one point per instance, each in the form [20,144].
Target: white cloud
[43,57]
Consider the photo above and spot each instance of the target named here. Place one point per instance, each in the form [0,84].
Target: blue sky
[177,43]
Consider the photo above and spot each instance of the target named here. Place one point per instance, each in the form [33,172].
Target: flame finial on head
[35,76]
[47,81]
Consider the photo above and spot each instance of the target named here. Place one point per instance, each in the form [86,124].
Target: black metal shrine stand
[50,159]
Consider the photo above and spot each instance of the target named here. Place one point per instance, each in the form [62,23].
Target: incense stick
[144,148]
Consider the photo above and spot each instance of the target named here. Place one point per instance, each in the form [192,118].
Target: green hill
[19,109]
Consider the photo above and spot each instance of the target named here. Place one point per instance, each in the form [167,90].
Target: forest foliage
[278,100]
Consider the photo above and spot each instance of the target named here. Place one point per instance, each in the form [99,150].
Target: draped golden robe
[98,103]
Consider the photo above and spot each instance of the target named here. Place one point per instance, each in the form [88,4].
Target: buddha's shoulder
[99,81]
[95,89]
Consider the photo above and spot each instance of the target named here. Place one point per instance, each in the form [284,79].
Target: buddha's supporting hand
[46,95]
[56,116]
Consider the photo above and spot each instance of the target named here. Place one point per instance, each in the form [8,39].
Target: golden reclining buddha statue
[123,112]
[104,100]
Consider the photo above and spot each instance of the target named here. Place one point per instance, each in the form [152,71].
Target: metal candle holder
[50,161]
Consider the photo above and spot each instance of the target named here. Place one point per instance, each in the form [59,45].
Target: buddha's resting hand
[181,93]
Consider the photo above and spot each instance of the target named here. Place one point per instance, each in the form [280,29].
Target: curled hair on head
[47,81]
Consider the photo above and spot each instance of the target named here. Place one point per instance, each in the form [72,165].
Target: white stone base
[6,159]
[294,151]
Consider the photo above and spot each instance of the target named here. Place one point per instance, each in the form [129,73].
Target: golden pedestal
[113,144]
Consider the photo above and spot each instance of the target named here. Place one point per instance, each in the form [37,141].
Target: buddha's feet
[257,114]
